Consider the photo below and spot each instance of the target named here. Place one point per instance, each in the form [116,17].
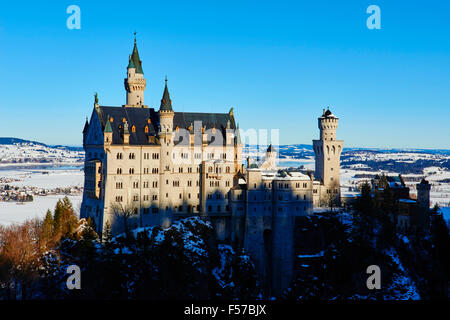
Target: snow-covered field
[11,212]
[45,179]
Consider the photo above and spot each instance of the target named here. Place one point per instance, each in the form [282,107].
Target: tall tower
[135,83]
[423,201]
[328,158]
[165,134]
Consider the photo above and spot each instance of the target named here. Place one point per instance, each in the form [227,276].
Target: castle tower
[135,83]
[270,162]
[165,135]
[328,158]
[423,201]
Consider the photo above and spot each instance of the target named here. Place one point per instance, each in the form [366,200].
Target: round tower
[165,134]
[423,193]
[328,124]
[135,83]
[328,159]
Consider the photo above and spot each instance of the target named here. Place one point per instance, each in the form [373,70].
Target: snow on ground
[402,280]
[46,179]
[10,212]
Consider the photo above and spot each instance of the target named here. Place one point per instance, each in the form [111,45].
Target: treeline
[366,235]
[415,167]
[23,248]
[181,262]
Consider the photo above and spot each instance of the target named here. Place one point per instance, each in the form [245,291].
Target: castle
[156,166]
[408,215]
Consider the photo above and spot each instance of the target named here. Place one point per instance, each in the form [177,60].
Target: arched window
[133,128]
[146,129]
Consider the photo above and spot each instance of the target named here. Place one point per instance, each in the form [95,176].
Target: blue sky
[277,63]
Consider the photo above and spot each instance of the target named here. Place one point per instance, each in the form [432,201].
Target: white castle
[159,166]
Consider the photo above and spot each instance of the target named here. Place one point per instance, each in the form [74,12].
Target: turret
[166,113]
[328,158]
[423,194]
[85,131]
[328,124]
[107,133]
[126,133]
[135,83]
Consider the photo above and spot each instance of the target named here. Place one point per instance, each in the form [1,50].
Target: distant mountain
[11,141]
[21,152]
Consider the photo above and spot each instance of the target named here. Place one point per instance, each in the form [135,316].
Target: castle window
[131,171]
[304,197]
[119,170]
[305,185]
[119,155]
[149,120]
[124,120]
[111,119]
[133,128]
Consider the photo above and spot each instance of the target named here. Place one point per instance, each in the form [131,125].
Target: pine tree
[47,228]
[107,233]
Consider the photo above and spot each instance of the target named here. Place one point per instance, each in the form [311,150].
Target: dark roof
[166,103]
[86,126]
[139,117]
[135,61]
[108,126]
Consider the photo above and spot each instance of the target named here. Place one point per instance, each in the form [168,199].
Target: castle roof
[142,117]
[108,126]
[327,114]
[86,126]
[135,61]
[166,103]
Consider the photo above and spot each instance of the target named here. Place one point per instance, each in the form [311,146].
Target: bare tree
[125,212]
[332,198]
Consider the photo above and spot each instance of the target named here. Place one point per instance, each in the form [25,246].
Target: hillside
[19,152]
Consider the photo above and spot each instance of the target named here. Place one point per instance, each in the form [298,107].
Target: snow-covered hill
[22,152]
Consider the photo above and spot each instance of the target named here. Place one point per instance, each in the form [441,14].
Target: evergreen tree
[47,228]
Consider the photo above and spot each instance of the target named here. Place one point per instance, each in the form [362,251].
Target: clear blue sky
[277,63]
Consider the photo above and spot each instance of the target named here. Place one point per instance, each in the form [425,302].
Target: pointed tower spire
[86,126]
[135,83]
[166,103]
[135,61]
[108,126]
